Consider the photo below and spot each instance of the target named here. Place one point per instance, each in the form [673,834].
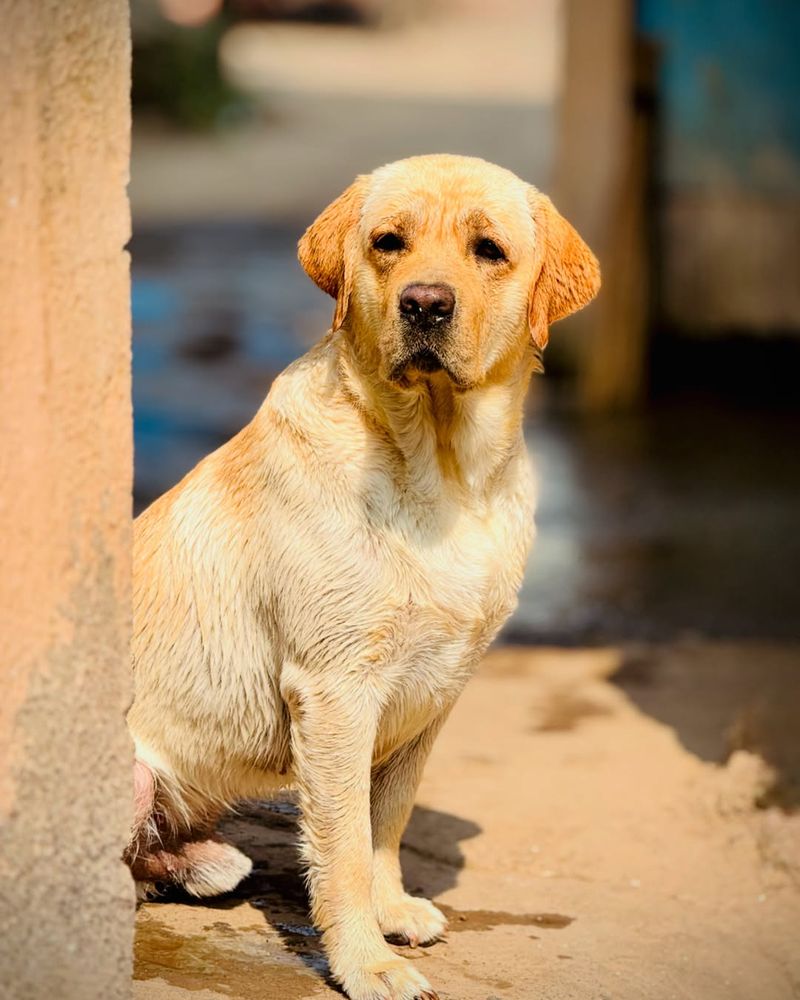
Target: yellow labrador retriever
[311,599]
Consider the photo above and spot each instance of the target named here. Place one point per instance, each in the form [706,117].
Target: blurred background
[666,429]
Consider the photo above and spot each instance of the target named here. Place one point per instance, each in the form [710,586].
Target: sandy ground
[578,847]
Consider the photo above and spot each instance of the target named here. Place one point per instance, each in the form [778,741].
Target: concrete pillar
[66,900]
[601,178]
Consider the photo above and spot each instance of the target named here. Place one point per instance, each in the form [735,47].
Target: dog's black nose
[427,303]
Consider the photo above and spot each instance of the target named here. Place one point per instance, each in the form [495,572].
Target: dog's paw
[392,979]
[213,868]
[416,920]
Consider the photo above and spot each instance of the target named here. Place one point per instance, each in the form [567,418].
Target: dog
[311,599]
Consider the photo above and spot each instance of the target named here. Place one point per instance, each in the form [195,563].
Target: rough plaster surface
[66,901]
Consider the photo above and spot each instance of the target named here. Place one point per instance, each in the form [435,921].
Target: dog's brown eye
[489,250]
[388,242]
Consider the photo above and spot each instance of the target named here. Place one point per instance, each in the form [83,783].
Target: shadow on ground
[267,831]
[722,698]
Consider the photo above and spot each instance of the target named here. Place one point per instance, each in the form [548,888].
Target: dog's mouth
[423,361]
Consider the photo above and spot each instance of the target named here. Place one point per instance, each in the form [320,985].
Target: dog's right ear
[325,249]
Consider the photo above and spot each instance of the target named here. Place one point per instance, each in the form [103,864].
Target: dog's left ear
[568,274]
[323,249]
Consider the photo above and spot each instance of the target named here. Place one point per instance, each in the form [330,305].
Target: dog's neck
[445,435]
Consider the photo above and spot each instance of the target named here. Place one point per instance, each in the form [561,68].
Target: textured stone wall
[66,900]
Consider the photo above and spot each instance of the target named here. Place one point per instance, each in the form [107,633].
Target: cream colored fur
[311,599]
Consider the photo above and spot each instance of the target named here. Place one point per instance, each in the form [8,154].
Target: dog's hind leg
[201,867]
[173,844]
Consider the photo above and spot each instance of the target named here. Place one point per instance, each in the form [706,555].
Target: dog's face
[446,264]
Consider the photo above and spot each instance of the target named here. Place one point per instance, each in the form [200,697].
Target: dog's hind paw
[213,868]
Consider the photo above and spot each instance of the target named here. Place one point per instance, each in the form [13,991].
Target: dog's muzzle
[426,312]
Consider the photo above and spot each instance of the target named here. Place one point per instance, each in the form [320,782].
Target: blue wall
[731,91]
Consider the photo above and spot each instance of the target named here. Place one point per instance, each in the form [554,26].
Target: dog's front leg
[394,786]
[333,735]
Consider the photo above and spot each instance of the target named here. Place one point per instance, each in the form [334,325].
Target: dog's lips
[425,360]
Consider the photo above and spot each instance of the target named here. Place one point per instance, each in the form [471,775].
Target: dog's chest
[452,589]
[460,568]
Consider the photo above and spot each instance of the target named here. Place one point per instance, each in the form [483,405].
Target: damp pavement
[576,845]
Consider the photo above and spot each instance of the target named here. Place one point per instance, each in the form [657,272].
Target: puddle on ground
[485,920]
[237,964]
[302,930]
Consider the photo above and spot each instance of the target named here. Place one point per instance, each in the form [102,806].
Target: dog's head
[446,264]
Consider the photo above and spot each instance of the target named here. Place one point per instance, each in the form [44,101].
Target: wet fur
[313,596]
